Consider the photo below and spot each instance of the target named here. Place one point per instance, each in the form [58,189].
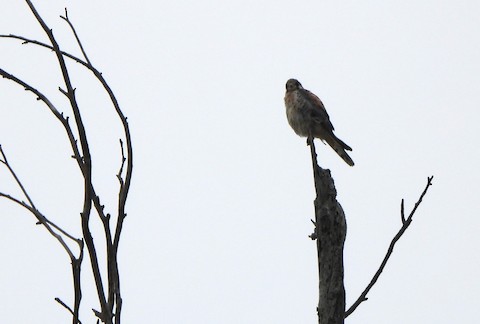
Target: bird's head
[293,85]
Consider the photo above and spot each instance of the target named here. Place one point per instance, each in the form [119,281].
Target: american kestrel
[308,118]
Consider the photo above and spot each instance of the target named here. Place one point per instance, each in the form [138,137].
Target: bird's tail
[340,147]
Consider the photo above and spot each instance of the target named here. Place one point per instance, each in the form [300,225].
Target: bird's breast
[297,115]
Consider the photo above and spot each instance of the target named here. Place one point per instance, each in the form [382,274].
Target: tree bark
[330,232]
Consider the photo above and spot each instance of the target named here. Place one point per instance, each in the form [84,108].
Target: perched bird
[308,118]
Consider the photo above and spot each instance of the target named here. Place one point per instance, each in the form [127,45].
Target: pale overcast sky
[222,196]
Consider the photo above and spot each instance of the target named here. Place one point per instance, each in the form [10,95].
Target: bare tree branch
[58,300]
[31,207]
[112,248]
[125,188]
[19,183]
[99,76]
[87,166]
[41,44]
[120,172]
[28,87]
[402,211]
[405,224]
[76,262]
[76,36]
[54,110]
[81,153]
[42,220]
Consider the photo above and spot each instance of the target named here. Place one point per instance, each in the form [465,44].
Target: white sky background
[222,195]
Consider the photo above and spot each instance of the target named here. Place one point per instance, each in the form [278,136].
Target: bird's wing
[319,113]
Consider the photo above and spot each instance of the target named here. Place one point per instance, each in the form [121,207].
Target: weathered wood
[331,229]
[330,232]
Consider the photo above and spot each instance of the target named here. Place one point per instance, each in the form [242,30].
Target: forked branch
[50,226]
[405,224]
[31,208]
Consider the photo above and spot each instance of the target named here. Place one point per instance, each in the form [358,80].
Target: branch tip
[405,224]
[402,211]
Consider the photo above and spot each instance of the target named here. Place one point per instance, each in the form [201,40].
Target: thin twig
[76,36]
[19,183]
[58,300]
[73,238]
[402,211]
[31,206]
[54,110]
[120,172]
[406,224]
[42,220]
[63,120]
[41,44]
[27,87]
